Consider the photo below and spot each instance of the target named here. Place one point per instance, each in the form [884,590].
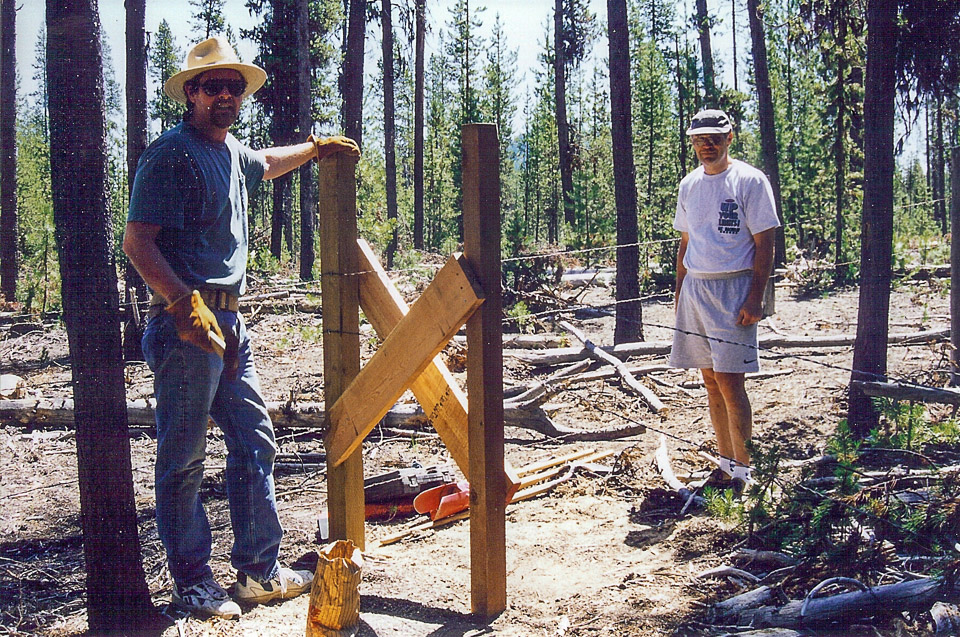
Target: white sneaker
[206,598]
[286,584]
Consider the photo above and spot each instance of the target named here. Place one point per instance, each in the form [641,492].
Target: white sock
[726,466]
[742,472]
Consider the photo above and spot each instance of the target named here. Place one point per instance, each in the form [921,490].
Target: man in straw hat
[186,234]
[727,219]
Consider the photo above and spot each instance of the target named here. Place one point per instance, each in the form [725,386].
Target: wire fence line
[314,286]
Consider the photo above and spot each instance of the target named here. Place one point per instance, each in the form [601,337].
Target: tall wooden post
[954,265]
[341,331]
[488,492]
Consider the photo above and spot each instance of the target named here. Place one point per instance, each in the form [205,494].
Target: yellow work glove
[196,324]
[326,146]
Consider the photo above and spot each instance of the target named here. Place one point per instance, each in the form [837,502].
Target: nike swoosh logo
[747,362]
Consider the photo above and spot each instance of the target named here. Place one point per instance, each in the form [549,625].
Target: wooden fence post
[341,331]
[954,266]
[488,492]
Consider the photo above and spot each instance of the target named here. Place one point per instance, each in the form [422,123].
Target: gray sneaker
[206,598]
[286,584]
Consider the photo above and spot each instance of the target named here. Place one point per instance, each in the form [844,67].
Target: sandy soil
[598,555]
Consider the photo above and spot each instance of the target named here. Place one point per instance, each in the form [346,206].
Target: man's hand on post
[326,146]
[196,324]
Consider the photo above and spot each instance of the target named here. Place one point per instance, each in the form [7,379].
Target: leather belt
[215,300]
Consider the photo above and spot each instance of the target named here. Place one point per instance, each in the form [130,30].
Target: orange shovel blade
[453,503]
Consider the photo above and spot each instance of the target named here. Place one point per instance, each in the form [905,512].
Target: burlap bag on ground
[335,595]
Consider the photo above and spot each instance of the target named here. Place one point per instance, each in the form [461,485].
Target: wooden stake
[341,332]
[488,489]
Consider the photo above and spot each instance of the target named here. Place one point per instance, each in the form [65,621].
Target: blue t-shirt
[197,191]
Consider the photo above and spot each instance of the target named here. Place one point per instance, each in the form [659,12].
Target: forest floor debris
[597,555]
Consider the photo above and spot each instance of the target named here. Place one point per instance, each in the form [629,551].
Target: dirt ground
[591,557]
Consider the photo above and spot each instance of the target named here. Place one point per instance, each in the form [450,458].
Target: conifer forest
[849,522]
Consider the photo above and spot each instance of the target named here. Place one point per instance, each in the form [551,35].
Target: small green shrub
[723,504]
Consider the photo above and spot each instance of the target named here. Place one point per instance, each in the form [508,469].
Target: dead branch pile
[860,546]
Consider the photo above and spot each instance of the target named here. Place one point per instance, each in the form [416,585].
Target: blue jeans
[189,385]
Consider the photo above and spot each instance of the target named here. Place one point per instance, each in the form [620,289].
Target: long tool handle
[218,344]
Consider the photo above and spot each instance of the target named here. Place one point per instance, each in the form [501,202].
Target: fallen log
[651,399]
[764,558]
[533,418]
[697,384]
[899,391]
[842,340]
[732,609]
[603,374]
[58,412]
[541,391]
[913,595]
[522,341]
[770,632]
[560,355]
[725,570]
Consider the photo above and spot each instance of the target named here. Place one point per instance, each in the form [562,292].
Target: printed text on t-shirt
[729,222]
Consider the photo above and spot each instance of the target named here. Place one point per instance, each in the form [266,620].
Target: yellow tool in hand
[196,324]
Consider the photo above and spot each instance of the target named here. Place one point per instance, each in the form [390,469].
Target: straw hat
[214,53]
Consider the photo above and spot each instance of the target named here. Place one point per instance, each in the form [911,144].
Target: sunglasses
[215,86]
[715,139]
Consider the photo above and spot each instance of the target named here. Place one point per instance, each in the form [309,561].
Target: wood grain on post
[488,489]
[954,266]
[418,337]
[341,332]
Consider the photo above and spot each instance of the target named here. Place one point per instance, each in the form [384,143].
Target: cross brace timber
[416,339]
[435,388]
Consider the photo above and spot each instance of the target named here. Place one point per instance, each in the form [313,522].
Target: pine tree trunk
[563,127]
[136,92]
[768,129]
[939,167]
[711,97]
[352,81]
[284,107]
[733,32]
[117,593]
[870,348]
[389,125]
[421,29]
[629,325]
[682,112]
[840,161]
[308,182]
[9,266]
[281,215]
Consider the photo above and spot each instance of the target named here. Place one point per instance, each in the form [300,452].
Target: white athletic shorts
[707,335]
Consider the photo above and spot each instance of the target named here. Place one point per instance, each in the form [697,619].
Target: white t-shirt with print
[721,213]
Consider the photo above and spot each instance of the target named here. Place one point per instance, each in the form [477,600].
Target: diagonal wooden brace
[409,348]
[435,388]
